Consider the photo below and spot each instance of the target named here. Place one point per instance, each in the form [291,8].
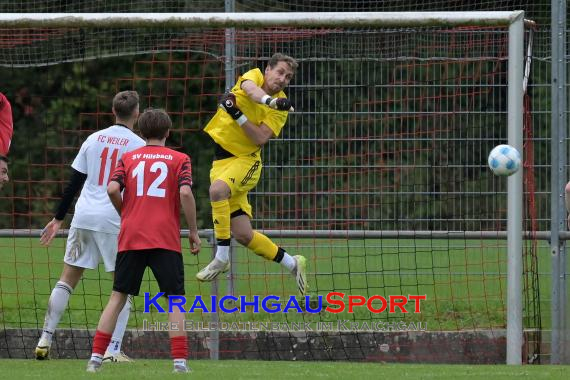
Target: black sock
[224,242]
[279,256]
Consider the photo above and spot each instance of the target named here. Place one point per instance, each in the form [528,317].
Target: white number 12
[153,189]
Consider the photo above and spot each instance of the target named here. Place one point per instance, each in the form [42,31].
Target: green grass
[464,280]
[203,369]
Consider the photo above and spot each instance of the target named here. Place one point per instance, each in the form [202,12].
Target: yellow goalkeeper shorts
[241,174]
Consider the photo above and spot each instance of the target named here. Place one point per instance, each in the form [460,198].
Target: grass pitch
[464,281]
[251,370]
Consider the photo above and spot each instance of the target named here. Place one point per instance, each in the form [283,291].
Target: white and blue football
[504,160]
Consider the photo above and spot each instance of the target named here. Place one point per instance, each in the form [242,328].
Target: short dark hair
[4,158]
[125,103]
[154,123]
[280,57]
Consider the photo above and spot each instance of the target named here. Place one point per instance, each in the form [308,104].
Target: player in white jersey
[95,226]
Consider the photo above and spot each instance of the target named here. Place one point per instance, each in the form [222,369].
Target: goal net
[379,179]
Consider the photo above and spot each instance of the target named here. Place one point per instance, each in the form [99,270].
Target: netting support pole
[214,338]
[515,190]
[230,69]
[229,64]
[558,175]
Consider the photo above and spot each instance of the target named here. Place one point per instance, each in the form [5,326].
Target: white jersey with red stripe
[97,158]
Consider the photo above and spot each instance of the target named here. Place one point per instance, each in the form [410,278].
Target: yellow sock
[221,218]
[263,246]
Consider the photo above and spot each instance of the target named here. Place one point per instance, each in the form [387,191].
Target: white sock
[223,253]
[122,321]
[96,358]
[46,338]
[288,262]
[180,362]
[56,306]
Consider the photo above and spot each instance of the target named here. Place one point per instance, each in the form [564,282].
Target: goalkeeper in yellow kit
[248,117]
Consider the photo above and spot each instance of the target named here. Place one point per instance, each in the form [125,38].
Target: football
[504,160]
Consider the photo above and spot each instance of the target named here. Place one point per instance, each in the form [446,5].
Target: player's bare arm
[259,95]
[254,92]
[49,231]
[258,134]
[73,187]
[114,192]
[188,204]
[276,77]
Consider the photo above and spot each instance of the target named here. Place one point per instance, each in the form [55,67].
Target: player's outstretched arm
[114,192]
[188,204]
[49,231]
[259,135]
[257,94]
[73,187]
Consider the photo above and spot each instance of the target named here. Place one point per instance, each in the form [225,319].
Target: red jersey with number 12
[151,177]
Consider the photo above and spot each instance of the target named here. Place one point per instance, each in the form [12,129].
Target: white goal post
[297,19]
[513,19]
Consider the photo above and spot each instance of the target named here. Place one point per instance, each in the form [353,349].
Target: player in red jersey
[6,125]
[156,182]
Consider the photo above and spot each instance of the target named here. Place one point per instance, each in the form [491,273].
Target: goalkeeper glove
[281,104]
[229,104]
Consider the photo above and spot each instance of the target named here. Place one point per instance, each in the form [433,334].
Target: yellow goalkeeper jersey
[226,131]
